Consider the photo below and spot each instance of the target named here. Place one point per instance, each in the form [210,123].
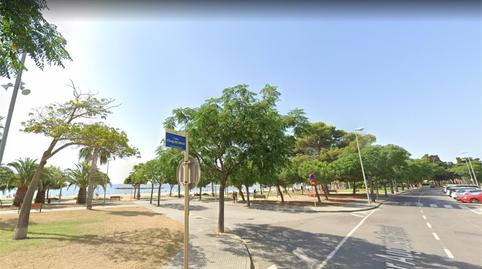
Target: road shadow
[289,248]
[131,213]
[181,207]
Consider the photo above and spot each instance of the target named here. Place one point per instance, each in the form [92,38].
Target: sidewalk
[207,249]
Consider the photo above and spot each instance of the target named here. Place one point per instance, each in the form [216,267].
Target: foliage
[24,29]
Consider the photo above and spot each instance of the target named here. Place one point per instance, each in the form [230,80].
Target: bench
[38,206]
[115,198]
[259,196]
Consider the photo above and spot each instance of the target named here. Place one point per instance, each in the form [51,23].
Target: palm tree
[7,177]
[25,169]
[79,176]
[45,183]
[92,154]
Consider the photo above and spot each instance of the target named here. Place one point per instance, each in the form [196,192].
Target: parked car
[473,197]
[453,188]
[460,192]
[446,186]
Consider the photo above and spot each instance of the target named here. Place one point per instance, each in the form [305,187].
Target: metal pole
[362,169]
[11,107]
[473,172]
[470,173]
[186,205]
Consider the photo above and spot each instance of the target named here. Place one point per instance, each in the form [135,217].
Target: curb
[350,211]
[251,263]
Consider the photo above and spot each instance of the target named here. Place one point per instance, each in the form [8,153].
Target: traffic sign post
[180,141]
[313,183]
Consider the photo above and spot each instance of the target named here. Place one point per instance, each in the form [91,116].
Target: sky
[410,81]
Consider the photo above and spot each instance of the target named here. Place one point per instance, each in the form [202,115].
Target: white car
[462,191]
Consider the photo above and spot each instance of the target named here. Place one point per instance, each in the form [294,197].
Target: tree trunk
[138,191]
[278,188]
[22,225]
[261,188]
[60,195]
[269,191]
[40,197]
[48,190]
[212,188]
[81,196]
[403,186]
[317,194]
[221,205]
[302,188]
[241,193]
[92,176]
[20,195]
[159,194]
[385,188]
[105,193]
[392,189]
[325,191]
[178,191]
[247,195]
[396,185]
[152,191]
[200,193]
[354,187]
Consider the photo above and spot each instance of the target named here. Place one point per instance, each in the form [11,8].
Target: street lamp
[16,87]
[471,169]
[361,163]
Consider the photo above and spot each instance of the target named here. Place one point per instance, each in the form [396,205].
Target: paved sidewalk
[207,249]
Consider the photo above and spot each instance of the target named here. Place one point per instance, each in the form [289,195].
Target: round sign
[194,173]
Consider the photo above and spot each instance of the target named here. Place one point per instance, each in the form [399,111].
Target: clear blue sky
[412,83]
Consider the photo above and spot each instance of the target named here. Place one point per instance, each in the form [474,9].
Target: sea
[123,189]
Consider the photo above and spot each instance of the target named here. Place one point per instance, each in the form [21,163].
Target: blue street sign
[175,141]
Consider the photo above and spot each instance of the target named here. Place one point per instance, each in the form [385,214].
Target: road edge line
[340,244]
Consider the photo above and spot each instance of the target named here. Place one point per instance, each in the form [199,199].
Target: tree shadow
[282,208]
[197,258]
[290,248]
[131,213]
[181,206]
[156,245]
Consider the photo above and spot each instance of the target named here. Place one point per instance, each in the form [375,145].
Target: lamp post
[18,84]
[471,169]
[361,163]
[468,167]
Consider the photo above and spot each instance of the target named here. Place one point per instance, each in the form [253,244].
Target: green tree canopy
[24,29]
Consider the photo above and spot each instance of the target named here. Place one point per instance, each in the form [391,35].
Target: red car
[472,197]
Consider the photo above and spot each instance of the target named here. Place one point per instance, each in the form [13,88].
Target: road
[420,229]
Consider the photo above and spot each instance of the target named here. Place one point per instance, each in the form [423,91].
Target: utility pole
[361,163]
[18,81]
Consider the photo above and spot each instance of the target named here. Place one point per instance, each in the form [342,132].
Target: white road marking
[433,205]
[428,225]
[301,254]
[448,206]
[423,216]
[332,254]
[449,254]
[436,236]
[356,215]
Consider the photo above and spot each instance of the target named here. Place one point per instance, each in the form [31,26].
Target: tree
[168,161]
[46,181]
[137,177]
[24,29]
[25,169]
[152,171]
[62,124]
[59,178]
[104,142]
[224,131]
[7,177]
[80,177]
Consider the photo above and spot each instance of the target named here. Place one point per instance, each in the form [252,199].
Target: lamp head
[8,85]
[26,91]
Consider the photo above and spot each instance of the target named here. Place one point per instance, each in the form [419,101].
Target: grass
[116,238]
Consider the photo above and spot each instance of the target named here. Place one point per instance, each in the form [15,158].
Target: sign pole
[186,205]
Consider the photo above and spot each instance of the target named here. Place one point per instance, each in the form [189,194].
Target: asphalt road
[420,229]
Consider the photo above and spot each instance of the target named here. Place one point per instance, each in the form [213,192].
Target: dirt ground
[108,238]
